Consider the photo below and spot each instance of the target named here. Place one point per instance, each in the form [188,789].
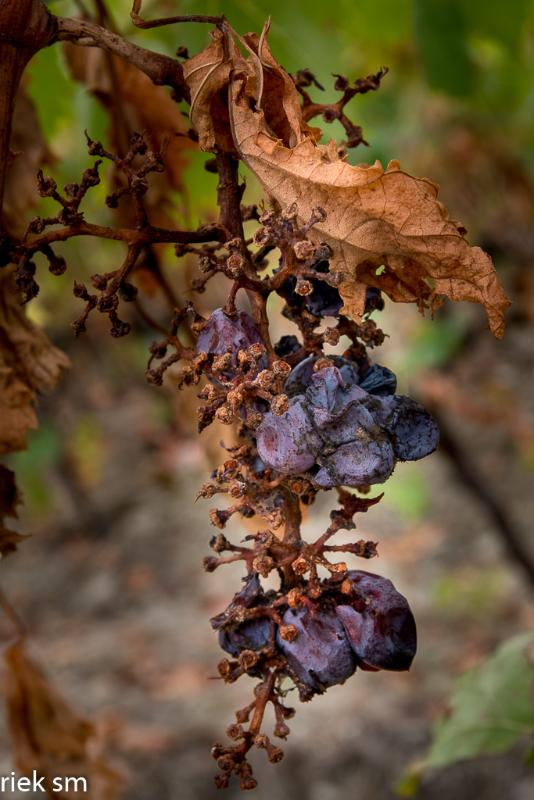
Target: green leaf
[492,706]
[503,22]
[441,29]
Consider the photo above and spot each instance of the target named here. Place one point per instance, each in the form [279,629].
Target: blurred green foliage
[490,710]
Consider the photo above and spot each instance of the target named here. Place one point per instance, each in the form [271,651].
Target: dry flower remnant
[330,241]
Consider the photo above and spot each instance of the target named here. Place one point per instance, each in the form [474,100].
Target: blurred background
[111,584]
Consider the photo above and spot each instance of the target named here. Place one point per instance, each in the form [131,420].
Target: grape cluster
[305,422]
[344,429]
[361,622]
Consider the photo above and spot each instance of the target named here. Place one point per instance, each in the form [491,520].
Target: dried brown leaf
[9,500]
[386,228]
[48,736]
[207,75]
[29,363]
[28,152]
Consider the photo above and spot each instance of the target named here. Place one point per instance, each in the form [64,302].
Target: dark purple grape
[286,346]
[319,655]
[252,635]
[288,443]
[378,622]
[379,380]
[358,463]
[414,432]
[341,434]
[229,334]
[373,300]
[323,301]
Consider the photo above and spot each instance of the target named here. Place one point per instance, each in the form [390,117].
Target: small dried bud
[304,250]
[281,730]
[210,563]
[294,597]
[303,287]
[256,351]
[300,565]
[337,569]
[288,632]
[235,397]
[280,404]
[254,418]
[331,336]
[263,565]
[207,490]
[234,732]
[219,543]
[281,368]
[234,265]
[218,517]
[222,363]
[237,489]
[275,754]
[224,667]
[322,363]
[261,741]
[265,378]
[248,659]
[198,361]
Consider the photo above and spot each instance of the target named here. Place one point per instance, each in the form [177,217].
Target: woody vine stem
[311,412]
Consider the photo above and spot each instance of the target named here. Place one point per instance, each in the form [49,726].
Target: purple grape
[379,380]
[252,635]
[319,655]
[323,301]
[378,622]
[340,433]
[286,346]
[288,443]
[229,334]
[358,463]
[413,431]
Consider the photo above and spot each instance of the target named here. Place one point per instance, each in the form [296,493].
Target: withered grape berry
[319,655]
[379,380]
[289,443]
[341,434]
[414,432]
[378,622]
[229,334]
[323,301]
[252,634]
